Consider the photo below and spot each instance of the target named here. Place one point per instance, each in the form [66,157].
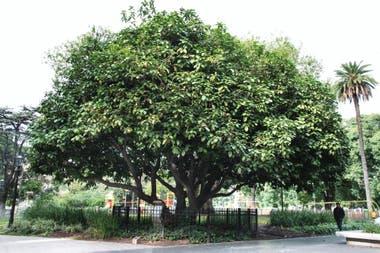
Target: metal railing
[241,220]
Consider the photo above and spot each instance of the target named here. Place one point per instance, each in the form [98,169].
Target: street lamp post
[17,175]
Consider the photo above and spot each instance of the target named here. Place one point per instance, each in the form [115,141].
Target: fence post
[208,226]
[138,215]
[239,221]
[227,217]
[118,211]
[113,210]
[256,221]
[127,216]
[249,220]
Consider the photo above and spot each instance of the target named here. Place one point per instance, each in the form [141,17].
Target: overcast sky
[332,31]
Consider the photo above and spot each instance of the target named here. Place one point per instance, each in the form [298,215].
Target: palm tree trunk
[362,155]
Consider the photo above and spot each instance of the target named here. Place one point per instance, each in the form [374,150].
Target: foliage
[36,227]
[93,197]
[288,218]
[40,227]
[170,99]
[267,196]
[195,234]
[31,184]
[372,228]
[352,185]
[354,82]
[327,228]
[49,210]
[101,224]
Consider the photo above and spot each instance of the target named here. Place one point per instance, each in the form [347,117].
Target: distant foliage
[84,198]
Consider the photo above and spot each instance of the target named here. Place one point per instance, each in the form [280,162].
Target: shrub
[101,224]
[372,228]
[300,218]
[35,227]
[328,228]
[195,234]
[83,198]
[44,208]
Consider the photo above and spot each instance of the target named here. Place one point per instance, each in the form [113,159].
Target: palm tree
[354,85]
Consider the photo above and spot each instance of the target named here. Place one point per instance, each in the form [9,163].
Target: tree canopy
[172,100]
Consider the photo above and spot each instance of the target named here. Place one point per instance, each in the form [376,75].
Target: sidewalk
[322,244]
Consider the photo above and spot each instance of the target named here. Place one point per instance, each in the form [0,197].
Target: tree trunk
[362,155]
[209,205]
[329,196]
[181,201]
[3,200]
[254,206]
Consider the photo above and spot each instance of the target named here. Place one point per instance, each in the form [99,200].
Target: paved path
[325,244]
[30,244]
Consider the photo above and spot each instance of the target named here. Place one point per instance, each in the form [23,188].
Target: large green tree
[355,84]
[169,99]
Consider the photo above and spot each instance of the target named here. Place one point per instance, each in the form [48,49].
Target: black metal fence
[241,220]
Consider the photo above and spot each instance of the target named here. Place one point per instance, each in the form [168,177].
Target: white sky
[333,31]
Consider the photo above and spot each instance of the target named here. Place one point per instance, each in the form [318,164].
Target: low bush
[328,228]
[372,228]
[195,234]
[101,224]
[45,208]
[98,223]
[300,218]
[41,227]
[35,227]
[83,198]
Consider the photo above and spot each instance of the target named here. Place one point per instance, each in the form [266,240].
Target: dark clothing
[338,216]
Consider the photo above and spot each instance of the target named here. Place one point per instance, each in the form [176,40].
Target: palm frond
[354,81]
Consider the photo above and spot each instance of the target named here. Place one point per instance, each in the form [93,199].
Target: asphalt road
[325,244]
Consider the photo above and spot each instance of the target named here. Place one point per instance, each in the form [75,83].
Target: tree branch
[226,194]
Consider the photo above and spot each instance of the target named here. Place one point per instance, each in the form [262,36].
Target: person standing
[338,215]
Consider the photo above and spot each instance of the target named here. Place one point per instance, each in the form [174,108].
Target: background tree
[352,184]
[172,100]
[355,84]
[13,126]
